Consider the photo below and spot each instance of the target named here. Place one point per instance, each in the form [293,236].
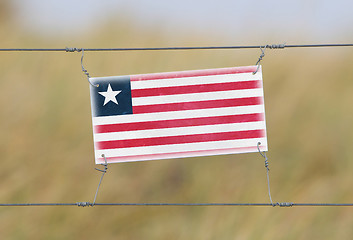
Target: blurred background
[46,135]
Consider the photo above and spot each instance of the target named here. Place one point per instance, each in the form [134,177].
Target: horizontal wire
[85,204]
[272,46]
[35,204]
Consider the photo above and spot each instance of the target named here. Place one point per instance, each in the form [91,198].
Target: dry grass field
[47,152]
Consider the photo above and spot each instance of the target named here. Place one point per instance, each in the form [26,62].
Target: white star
[110,95]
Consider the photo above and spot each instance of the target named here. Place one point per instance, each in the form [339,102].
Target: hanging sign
[178,114]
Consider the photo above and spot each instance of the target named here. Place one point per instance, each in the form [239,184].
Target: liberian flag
[178,114]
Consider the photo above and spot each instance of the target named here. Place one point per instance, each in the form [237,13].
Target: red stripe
[179,154]
[167,107]
[195,73]
[157,141]
[196,88]
[254,117]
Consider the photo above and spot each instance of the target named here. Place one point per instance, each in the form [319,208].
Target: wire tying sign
[178,114]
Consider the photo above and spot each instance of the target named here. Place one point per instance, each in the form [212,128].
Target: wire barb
[276,46]
[285,204]
[105,164]
[84,204]
[68,49]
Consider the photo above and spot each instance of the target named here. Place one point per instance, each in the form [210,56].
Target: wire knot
[276,46]
[263,154]
[260,59]
[84,204]
[267,164]
[68,49]
[261,56]
[263,48]
[105,164]
[283,204]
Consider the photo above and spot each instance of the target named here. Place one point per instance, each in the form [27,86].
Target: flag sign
[178,114]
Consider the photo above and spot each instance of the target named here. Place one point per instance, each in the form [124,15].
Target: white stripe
[130,118]
[179,131]
[178,98]
[173,82]
[174,148]
[183,155]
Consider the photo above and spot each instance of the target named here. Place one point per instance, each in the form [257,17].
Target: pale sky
[314,20]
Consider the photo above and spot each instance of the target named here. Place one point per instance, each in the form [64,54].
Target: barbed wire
[88,204]
[262,47]
[270,46]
